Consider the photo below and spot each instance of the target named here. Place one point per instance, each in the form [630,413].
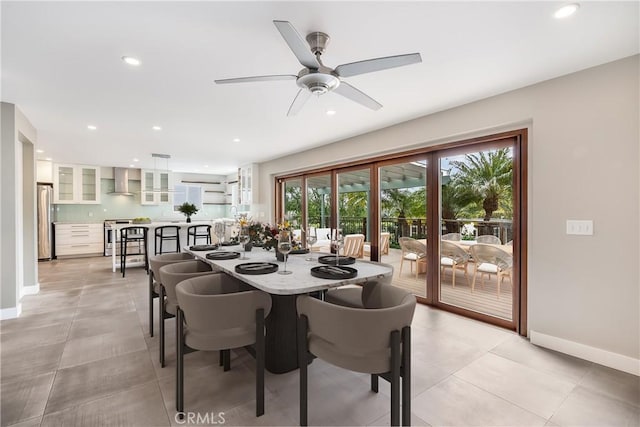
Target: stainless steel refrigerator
[45,219]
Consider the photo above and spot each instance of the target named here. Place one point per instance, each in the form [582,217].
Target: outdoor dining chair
[489,239]
[414,252]
[353,245]
[454,257]
[491,260]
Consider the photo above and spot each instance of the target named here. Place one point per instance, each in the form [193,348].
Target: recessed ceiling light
[48,158]
[206,166]
[566,10]
[91,127]
[156,128]
[236,139]
[136,160]
[132,166]
[331,112]
[131,60]
[40,151]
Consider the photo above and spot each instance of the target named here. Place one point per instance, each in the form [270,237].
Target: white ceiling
[61,65]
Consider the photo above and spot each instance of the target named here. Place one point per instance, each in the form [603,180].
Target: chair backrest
[415,247]
[489,239]
[172,274]
[385,237]
[353,245]
[199,230]
[220,310]
[452,236]
[158,261]
[357,338]
[483,253]
[403,244]
[453,251]
[167,231]
[136,232]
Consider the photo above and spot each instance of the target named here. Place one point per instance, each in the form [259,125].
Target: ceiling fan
[316,78]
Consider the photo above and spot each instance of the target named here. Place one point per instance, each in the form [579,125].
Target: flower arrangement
[265,234]
[468,231]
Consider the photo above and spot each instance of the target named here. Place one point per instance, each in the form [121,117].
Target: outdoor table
[281,324]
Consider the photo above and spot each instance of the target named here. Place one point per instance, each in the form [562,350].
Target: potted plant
[187,210]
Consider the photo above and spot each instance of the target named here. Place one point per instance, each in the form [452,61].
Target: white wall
[584,296]
[18,256]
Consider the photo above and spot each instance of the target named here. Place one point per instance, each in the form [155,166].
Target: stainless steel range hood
[121,177]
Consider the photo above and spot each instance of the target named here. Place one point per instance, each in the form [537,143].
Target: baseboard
[592,354]
[30,290]
[10,313]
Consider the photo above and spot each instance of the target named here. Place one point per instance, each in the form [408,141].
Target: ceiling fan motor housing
[318,81]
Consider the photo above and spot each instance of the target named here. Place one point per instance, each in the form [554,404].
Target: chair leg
[221,357]
[161,325]
[475,273]
[180,364]
[374,383]
[453,275]
[151,304]
[302,364]
[406,376]
[123,255]
[260,353]
[395,378]
[227,359]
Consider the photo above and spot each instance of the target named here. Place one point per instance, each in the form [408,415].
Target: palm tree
[484,178]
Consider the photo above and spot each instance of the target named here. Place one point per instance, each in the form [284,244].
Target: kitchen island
[115,257]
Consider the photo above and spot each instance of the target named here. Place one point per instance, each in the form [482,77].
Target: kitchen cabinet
[76,184]
[156,186]
[248,184]
[78,239]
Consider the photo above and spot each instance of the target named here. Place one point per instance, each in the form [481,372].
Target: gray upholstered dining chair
[489,239]
[374,340]
[170,276]
[155,263]
[217,313]
[358,296]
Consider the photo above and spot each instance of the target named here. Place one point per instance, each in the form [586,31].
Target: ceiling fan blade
[298,102]
[257,79]
[377,64]
[348,91]
[297,44]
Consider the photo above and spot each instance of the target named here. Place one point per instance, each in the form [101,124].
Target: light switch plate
[580,227]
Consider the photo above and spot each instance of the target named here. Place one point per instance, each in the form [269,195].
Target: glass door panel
[164,187]
[319,209]
[354,194]
[403,216]
[476,217]
[89,185]
[65,183]
[293,206]
[147,186]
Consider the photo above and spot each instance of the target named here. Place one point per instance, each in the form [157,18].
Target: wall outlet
[580,227]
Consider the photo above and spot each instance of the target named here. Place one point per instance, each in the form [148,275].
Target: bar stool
[167,232]
[133,235]
[199,232]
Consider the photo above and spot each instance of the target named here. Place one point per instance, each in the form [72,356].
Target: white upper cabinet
[156,186]
[248,184]
[76,184]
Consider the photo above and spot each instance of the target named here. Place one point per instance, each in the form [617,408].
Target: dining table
[281,323]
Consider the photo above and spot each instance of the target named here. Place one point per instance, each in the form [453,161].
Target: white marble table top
[300,281]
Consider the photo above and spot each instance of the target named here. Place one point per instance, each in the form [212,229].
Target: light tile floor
[81,355]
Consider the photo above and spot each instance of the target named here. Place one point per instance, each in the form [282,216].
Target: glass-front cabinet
[76,184]
[156,187]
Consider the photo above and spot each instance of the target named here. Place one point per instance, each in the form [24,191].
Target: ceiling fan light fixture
[318,83]
[130,60]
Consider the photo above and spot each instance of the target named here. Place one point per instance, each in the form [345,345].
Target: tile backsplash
[117,206]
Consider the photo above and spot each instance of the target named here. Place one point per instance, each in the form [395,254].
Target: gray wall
[583,164]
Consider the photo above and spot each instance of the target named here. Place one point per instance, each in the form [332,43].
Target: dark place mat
[216,256]
[203,247]
[299,251]
[331,260]
[255,268]
[334,272]
[229,243]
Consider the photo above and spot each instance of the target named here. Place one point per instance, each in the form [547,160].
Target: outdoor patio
[484,300]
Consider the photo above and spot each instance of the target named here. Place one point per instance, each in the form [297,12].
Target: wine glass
[312,238]
[339,243]
[284,246]
[219,229]
[243,238]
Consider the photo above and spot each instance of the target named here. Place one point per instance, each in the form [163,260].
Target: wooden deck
[484,300]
